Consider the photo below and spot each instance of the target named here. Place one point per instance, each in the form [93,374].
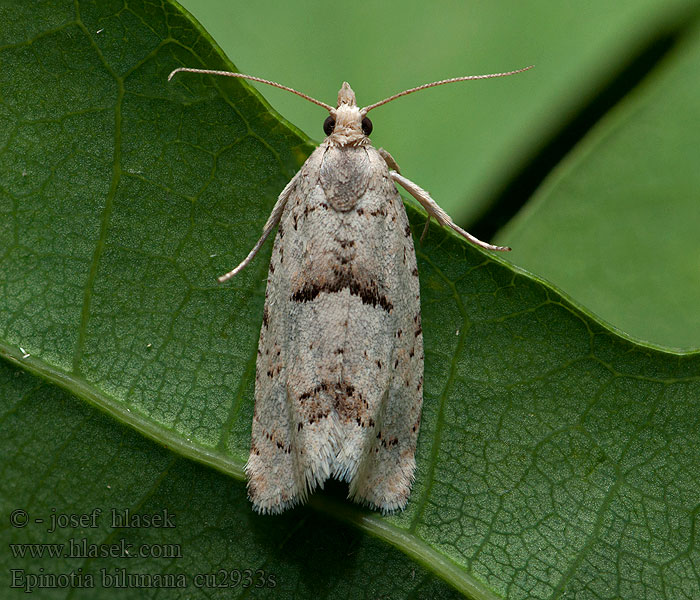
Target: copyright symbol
[19,518]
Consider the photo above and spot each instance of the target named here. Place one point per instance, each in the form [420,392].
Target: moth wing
[275,479]
[384,454]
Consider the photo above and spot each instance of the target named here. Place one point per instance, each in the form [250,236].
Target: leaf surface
[616,224]
[556,459]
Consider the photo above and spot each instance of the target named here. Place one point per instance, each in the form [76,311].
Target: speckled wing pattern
[339,375]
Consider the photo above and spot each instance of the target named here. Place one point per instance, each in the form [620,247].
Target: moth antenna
[251,77]
[366,109]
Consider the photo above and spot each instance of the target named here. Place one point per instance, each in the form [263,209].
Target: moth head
[346,124]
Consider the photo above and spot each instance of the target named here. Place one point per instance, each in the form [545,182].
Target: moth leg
[425,229]
[393,165]
[389,160]
[436,212]
[272,222]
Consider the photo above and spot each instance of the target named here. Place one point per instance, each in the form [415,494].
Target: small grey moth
[339,373]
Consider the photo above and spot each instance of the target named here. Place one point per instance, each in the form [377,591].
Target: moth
[339,374]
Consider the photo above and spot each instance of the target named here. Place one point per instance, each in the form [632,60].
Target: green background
[558,458]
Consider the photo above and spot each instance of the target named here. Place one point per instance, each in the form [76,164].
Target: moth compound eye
[366,126]
[329,125]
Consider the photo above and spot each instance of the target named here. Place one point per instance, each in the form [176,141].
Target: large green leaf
[616,225]
[556,459]
[78,459]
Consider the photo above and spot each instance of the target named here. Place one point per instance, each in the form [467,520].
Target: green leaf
[556,459]
[65,457]
[616,225]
